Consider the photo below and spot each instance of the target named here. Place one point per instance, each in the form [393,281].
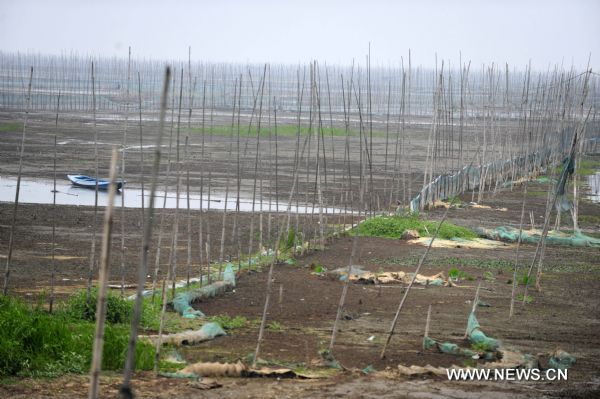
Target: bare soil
[563,315]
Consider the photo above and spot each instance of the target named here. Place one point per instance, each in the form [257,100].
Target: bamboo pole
[342,302]
[125,391]
[93,247]
[17,190]
[421,261]
[189,213]
[96,367]
[263,321]
[141,147]
[53,265]
[427,321]
[473,307]
[53,249]
[177,192]
[124,149]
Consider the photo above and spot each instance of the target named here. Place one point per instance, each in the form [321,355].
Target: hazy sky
[513,31]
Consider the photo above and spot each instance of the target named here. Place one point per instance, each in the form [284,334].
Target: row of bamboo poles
[517,137]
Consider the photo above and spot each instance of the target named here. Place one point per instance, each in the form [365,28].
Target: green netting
[329,360]
[177,374]
[477,337]
[181,304]
[437,281]
[511,234]
[561,360]
[447,347]
[488,346]
[212,330]
[183,300]
[228,274]
[469,177]
[369,369]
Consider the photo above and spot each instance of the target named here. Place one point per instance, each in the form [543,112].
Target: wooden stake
[51,304]
[426,335]
[125,389]
[96,367]
[93,248]
[473,307]
[17,190]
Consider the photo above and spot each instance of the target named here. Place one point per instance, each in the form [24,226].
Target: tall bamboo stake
[263,321]
[427,321]
[18,189]
[177,192]
[473,307]
[93,248]
[96,367]
[53,264]
[123,149]
[51,303]
[141,147]
[414,277]
[342,302]
[125,389]
[189,213]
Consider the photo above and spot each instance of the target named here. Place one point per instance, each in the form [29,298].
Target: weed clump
[395,226]
[229,323]
[35,343]
[79,307]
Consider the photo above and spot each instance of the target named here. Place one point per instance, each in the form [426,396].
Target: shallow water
[593,181]
[40,192]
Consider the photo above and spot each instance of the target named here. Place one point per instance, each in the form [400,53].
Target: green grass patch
[229,323]
[523,279]
[79,307]
[482,347]
[589,219]
[587,166]
[118,310]
[395,226]
[35,343]
[456,274]
[275,326]
[282,130]
[528,298]
[11,127]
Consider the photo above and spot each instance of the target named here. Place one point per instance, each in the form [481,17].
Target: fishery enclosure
[278,216]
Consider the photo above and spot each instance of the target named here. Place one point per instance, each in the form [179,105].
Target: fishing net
[511,234]
[207,332]
[487,347]
[563,203]
[467,178]
[477,337]
[182,303]
[561,360]
[447,347]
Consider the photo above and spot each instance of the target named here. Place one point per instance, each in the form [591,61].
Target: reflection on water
[593,182]
[40,192]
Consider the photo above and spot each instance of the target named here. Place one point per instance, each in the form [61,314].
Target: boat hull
[90,182]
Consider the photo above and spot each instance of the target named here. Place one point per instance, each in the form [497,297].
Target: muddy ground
[563,315]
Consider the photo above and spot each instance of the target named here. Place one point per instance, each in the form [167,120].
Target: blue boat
[90,182]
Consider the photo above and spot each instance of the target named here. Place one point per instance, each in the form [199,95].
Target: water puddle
[593,181]
[40,192]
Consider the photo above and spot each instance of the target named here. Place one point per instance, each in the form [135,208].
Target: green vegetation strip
[282,130]
[35,343]
[491,264]
[10,127]
[395,226]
